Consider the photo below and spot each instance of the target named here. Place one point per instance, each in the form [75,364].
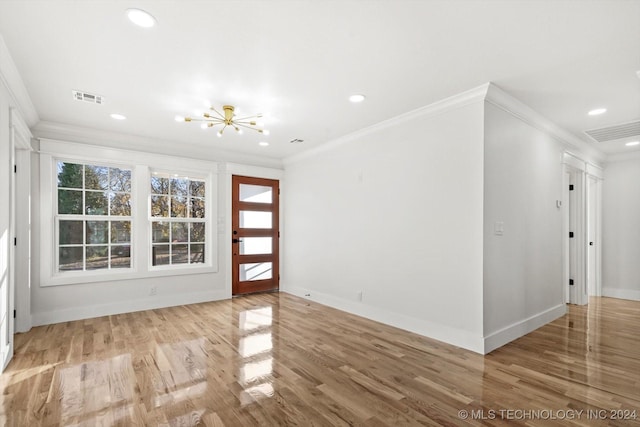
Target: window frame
[141,164]
[172,173]
[58,217]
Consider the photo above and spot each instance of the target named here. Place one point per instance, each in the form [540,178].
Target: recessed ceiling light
[632,143]
[263,143]
[141,18]
[356,98]
[117,116]
[597,111]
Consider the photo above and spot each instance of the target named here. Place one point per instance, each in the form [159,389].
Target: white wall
[621,228]
[523,277]
[395,213]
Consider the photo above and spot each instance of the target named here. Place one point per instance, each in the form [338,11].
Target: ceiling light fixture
[597,111]
[117,116]
[226,119]
[356,98]
[632,143]
[263,143]
[141,18]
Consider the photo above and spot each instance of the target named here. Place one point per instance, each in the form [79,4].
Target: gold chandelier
[227,119]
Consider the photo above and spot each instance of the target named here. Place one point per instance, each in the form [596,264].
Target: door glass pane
[255,193]
[255,245]
[256,271]
[255,219]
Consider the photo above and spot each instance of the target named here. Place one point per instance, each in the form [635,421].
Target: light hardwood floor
[275,359]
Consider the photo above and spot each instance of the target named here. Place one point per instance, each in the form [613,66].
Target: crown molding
[10,78]
[70,133]
[465,98]
[488,92]
[501,99]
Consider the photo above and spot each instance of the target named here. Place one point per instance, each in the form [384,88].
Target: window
[178,219]
[93,217]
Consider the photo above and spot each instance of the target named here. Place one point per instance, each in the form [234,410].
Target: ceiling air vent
[612,133]
[88,97]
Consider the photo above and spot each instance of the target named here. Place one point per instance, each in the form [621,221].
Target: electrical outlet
[153,290]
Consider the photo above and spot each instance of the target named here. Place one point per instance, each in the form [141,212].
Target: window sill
[72,278]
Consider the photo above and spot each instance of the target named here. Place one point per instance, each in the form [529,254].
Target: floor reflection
[255,347]
[86,391]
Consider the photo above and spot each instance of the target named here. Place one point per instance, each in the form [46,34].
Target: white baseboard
[630,294]
[453,336]
[522,327]
[79,313]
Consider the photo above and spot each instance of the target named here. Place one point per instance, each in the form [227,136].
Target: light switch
[498,228]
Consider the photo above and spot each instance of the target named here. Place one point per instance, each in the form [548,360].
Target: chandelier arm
[218,113]
[248,127]
[246,122]
[250,117]
[223,128]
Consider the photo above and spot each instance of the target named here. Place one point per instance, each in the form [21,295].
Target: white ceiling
[299,60]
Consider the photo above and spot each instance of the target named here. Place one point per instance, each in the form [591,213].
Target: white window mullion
[140,213]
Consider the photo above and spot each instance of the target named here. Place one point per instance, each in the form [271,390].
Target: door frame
[22,140]
[226,171]
[19,291]
[577,171]
[274,233]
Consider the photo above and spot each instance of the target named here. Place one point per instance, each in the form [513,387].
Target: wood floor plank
[275,359]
